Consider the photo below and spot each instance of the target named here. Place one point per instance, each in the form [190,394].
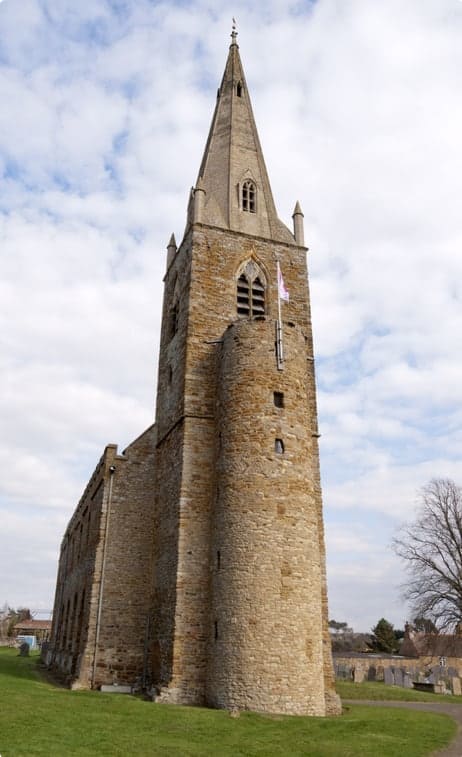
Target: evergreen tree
[384,639]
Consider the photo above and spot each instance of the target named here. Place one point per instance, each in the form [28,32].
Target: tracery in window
[249,196]
[251,292]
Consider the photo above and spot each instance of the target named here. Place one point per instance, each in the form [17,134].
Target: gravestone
[398,677]
[343,671]
[453,673]
[358,675]
[407,681]
[115,689]
[24,649]
[389,676]
[371,673]
[455,686]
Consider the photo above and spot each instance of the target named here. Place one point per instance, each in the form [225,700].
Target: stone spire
[232,157]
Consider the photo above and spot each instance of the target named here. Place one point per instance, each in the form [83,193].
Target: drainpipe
[145,652]
[103,568]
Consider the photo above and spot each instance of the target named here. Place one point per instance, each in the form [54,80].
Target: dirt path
[454,710]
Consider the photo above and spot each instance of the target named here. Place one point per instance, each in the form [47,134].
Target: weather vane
[234,32]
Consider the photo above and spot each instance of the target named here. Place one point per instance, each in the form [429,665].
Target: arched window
[251,292]
[249,197]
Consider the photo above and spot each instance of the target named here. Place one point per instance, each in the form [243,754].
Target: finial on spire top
[233,31]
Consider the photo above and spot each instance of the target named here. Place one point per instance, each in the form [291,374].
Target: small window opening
[239,89]
[279,446]
[216,630]
[218,559]
[278,399]
[170,374]
[248,197]
[174,317]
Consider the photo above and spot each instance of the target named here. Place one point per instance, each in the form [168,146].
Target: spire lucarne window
[251,292]
[249,195]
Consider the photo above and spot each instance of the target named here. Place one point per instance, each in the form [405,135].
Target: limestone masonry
[194,565]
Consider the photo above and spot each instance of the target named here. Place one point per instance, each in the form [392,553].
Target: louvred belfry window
[243,300]
[258,298]
[250,292]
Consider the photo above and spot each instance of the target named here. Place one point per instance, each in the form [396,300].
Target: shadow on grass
[13,665]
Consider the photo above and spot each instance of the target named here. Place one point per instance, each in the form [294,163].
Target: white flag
[283,292]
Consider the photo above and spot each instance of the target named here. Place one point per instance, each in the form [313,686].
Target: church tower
[239,594]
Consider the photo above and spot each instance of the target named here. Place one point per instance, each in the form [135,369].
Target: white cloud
[360,118]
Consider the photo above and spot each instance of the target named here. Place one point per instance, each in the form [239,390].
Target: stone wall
[79,566]
[266,624]
[185,476]
[124,628]
[103,593]
[371,667]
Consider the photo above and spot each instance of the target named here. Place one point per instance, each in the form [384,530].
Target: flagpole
[279,344]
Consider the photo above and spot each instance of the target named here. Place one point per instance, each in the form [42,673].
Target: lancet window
[173,320]
[251,292]
[249,197]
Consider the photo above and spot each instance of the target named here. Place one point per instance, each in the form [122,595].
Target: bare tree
[431,547]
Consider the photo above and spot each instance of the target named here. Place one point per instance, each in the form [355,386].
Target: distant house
[39,628]
[350,641]
[428,648]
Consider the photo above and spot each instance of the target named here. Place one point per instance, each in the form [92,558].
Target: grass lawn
[37,718]
[380,692]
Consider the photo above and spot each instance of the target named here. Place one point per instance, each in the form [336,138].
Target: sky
[106,105]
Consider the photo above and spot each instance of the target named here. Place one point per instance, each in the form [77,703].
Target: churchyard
[39,718]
